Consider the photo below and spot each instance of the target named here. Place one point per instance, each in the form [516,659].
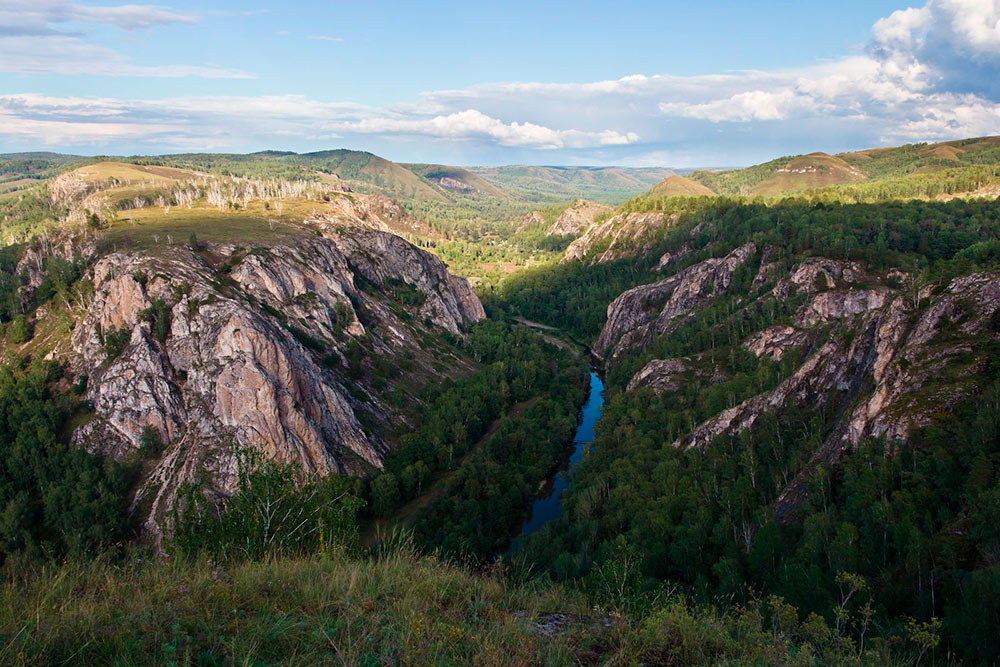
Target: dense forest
[913,535]
[894,552]
[489,482]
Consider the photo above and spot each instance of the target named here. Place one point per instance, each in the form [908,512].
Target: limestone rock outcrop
[643,313]
[578,216]
[228,345]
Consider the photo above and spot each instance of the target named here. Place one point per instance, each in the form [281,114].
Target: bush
[159,317]
[275,511]
[149,442]
[19,331]
[115,342]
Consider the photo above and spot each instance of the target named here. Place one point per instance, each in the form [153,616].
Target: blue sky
[641,83]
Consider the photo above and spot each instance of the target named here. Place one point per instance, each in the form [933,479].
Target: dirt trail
[540,329]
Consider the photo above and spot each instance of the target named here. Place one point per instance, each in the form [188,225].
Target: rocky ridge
[619,236]
[889,352]
[578,216]
[643,313]
[276,346]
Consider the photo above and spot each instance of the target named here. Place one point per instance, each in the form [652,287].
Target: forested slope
[799,391]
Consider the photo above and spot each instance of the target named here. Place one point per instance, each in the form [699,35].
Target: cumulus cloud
[953,44]
[473,124]
[46,36]
[928,73]
[220,121]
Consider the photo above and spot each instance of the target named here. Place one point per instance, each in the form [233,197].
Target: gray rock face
[578,216]
[619,236]
[663,375]
[643,313]
[892,357]
[232,366]
[774,342]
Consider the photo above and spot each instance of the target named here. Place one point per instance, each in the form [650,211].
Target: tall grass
[395,607]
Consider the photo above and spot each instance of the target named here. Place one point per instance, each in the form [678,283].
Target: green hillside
[609,185]
[457,179]
[818,173]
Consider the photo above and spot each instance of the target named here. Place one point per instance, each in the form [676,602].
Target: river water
[549,507]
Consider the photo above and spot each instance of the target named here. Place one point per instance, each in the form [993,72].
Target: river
[549,507]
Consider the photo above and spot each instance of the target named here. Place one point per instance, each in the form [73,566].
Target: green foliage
[912,170]
[405,293]
[275,511]
[159,317]
[59,277]
[27,212]
[397,608]
[19,331]
[384,493]
[704,519]
[573,296]
[10,282]
[55,499]
[488,495]
[150,445]
[308,341]
[115,342]
[488,481]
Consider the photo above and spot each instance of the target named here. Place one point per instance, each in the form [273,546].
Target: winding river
[549,506]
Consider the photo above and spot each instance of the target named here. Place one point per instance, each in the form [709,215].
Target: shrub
[159,317]
[19,331]
[275,511]
[149,442]
[115,342]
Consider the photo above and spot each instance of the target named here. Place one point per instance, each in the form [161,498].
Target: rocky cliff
[577,217]
[291,345]
[885,353]
[619,236]
[641,314]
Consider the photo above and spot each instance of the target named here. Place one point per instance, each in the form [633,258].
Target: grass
[102,171]
[678,186]
[820,170]
[50,332]
[148,228]
[393,609]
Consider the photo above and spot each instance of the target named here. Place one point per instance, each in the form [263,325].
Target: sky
[671,84]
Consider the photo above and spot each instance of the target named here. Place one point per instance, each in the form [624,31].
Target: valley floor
[379,529]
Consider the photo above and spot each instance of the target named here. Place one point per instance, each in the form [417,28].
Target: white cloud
[216,120]
[929,73]
[324,38]
[44,36]
[743,107]
[472,124]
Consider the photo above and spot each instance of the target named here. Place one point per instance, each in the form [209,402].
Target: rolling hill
[679,186]
[818,171]
[608,185]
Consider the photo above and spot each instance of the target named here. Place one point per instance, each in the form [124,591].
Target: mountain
[799,390]
[601,184]
[457,179]
[679,186]
[216,360]
[225,309]
[958,169]
[908,170]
